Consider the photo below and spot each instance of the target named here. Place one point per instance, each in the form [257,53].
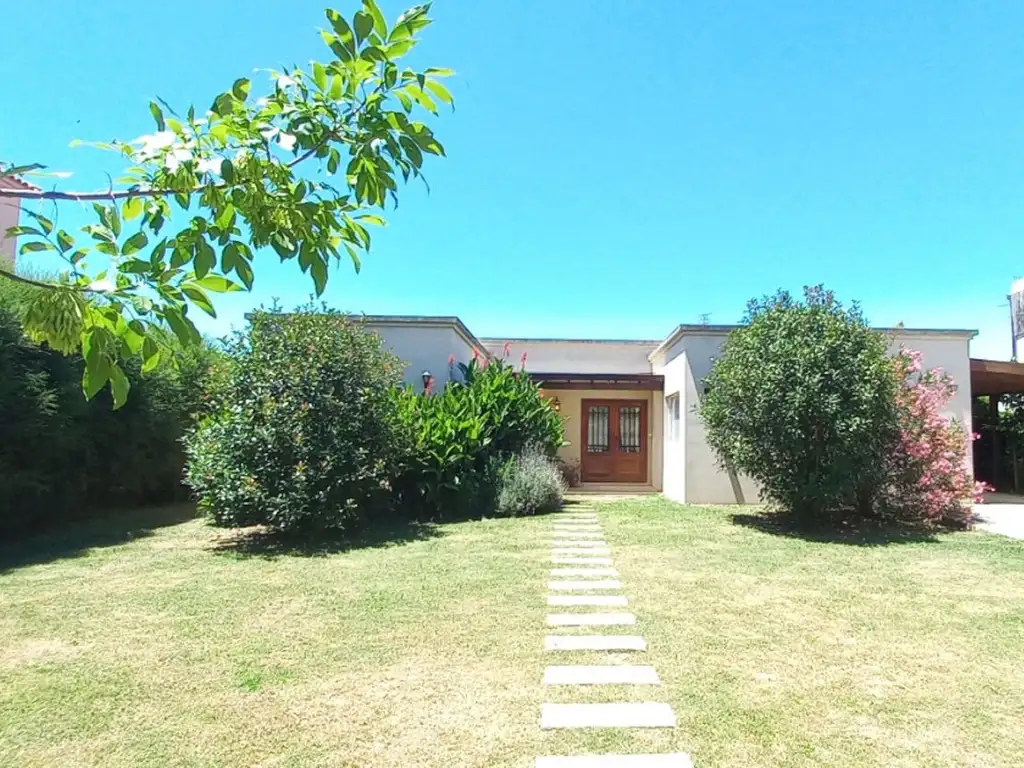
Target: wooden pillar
[997,453]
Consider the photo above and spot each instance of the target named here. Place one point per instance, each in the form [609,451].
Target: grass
[179,645]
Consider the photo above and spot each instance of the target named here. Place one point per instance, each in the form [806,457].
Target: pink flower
[451,361]
[508,349]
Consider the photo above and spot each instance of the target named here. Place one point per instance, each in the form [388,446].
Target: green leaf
[44,222]
[18,231]
[283,245]
[119,386]
[218,284]
[380,26]
[64,240]
[223,105]
[372,218]
[227,172]
[440,91]
[150,355]
[182,327]
[240,88]
[158,115]
[97,366]
[398,49]
[132,208]
[133,336]
[205,258]
[439,71]
[342,29]
[404,99]
[135,243]
[319,75]
[363,25]
[318,270]
[35,246]
[336,88]
[199,298]
[135,267]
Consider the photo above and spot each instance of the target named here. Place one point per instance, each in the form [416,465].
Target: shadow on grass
[77,538]
[856,535]
[268,544]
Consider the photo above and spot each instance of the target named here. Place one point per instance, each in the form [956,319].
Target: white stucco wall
[564,356]
[424,348]
[673,479]
[705,482]
[9,212]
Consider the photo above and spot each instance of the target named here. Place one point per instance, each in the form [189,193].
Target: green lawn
[160,643]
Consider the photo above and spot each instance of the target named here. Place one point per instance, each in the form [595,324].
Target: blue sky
[615,168]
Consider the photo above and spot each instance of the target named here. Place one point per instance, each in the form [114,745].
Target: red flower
[451,360]
[522,361]
[430,386]
[476,354]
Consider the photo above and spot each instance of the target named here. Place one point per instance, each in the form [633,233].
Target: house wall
[705,482]
[571,403]
[424,348]
[673,476]
[9,212]
[558,356]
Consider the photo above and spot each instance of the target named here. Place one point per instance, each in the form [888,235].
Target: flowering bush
[928,479]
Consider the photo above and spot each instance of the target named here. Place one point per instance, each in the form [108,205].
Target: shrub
[803,400]
[62,457]
[529,483]
[495,412]
[928,476]
[305,433]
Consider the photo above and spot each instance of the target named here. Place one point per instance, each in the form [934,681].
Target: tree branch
[27,280]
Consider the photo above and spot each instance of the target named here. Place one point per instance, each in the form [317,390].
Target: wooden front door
[613,444]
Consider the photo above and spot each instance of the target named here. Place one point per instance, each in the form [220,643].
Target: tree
[803,400]
[234,177]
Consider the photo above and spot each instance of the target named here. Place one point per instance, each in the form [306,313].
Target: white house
[629,406]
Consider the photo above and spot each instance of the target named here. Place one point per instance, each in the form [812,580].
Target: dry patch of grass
[423,647]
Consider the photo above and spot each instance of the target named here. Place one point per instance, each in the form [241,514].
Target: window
[597,429]
[629,429]
[672,417]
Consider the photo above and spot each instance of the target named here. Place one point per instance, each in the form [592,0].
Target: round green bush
[802,399]
[305,434]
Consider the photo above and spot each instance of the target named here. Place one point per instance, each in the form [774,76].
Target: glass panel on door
[597,429]
[629,429]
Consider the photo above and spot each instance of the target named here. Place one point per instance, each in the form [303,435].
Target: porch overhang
[996,377]
[634,381]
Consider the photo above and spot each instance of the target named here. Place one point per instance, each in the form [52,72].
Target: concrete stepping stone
[584,572]
[592,520]
[556,550]
[601,674]
[581,560]
[591,619]
[580,534]
[594,643]
[607,601]
[575,543]
[674,760]
[617,715]
[563,586]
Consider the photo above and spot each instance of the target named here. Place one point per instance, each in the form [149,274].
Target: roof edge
[721,330]
[543,340]
[436,321]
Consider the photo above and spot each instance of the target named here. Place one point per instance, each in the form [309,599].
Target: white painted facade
[681,464]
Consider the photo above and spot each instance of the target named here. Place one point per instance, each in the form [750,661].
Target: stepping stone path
[579,547]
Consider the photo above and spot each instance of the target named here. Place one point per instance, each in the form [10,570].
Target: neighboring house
[630,406]
[10,211]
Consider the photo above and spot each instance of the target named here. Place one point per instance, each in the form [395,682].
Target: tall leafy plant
[464,434]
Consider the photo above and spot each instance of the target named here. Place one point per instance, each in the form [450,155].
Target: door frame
[614,403]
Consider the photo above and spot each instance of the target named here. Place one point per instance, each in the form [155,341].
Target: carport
[993,379]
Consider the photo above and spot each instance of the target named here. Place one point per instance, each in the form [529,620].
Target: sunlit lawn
[129,646]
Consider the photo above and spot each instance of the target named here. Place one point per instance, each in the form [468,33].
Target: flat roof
[441,321]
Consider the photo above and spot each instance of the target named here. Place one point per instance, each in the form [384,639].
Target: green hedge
[62,457]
